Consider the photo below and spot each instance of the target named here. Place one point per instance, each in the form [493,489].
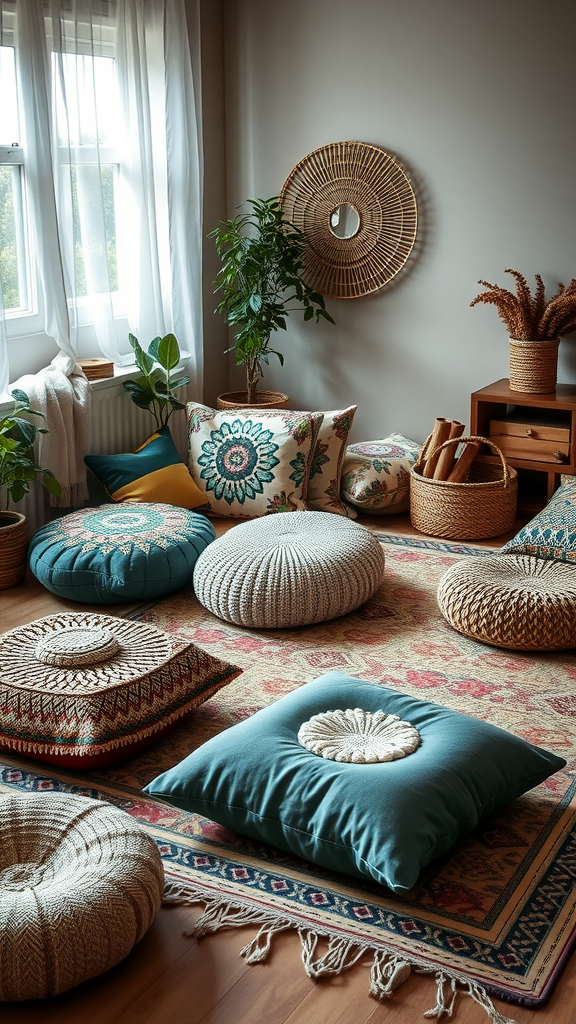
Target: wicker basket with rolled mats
[477,500]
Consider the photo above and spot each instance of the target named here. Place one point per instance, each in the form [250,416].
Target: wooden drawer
[539,441]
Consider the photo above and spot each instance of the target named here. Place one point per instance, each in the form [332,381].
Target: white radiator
[117,425]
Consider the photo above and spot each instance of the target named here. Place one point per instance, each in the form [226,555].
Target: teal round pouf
[118,553]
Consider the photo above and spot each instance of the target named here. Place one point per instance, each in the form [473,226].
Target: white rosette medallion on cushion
[287,571]
[251,462]
[355,736]
[80,884]
[376,474]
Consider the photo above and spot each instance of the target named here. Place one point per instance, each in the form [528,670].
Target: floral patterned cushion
[552,533]
[376,474]
[327,461]
[251,462]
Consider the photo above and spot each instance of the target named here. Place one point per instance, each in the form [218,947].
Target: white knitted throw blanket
[65,402]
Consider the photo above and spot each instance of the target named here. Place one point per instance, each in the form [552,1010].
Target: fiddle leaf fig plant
[260,283]
[155,389]
[18,466]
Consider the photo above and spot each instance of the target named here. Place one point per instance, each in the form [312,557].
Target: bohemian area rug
[497,914]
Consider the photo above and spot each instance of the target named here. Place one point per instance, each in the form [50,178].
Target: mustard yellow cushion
[154,472]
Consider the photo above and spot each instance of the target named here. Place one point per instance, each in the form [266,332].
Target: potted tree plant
[535,326]
[260,283]
[18,468]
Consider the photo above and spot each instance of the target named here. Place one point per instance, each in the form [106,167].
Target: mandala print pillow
[376,474]
[251,462]
[327,460]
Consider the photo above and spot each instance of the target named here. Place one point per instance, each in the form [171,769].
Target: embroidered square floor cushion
[552,533]
[251,462]
[154,472]
[119,552]
[376,474]
[382,820]
[83,689]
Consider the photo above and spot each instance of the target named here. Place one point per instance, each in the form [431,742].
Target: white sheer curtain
[4,368]
[113,161]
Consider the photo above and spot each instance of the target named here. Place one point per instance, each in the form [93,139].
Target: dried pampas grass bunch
[531,317]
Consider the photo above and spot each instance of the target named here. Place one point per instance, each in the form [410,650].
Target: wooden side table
[536,434]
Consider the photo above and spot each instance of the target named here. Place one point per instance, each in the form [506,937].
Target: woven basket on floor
[484,506]
[13,547]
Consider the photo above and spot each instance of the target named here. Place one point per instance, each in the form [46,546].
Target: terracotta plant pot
[533,365]
[13,548]
[264,400]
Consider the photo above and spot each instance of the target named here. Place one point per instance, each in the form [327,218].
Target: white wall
[476,100]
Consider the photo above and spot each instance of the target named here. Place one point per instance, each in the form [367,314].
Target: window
[86,105]
[14,262]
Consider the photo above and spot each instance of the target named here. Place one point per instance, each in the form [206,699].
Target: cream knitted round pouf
[516,601]
[289,569]
[80,884]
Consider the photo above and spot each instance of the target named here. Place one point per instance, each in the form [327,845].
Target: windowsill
[121,373]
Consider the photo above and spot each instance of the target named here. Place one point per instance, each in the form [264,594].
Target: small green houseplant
[18,467]
[155,389]
[260,284]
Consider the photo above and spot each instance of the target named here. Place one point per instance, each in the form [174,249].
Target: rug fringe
[389,969]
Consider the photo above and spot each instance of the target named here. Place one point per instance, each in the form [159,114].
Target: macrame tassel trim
[389,968]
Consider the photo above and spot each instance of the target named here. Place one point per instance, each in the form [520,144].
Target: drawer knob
[529,431]
[560,456]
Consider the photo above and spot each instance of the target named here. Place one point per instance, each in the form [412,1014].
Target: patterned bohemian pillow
[376,474]
[327,461]
[552,533]
[251,462]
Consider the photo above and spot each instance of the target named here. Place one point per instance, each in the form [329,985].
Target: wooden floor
[170,979]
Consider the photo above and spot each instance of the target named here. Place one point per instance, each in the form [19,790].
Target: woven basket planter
[13,548]
[264,400]
[481,507]
[533,365]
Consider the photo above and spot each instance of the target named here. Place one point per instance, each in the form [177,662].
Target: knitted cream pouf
[289,569]
[80,884]
[516,601]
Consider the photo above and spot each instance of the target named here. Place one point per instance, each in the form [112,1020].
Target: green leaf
[143,361]
[168,352]
[153,349]
[20,396]
[308,313]
[51,484]
[178,382]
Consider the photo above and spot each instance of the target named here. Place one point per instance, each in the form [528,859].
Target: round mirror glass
[345,221]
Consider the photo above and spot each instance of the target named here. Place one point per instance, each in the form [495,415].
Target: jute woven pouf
[288,570]
[80,884]
[515,601]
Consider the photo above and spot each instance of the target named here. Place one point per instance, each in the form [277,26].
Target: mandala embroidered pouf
[83,690]
[515,601]
[117,553]
[80,884]
[290,569]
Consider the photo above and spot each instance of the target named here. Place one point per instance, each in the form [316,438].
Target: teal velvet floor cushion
[384,821]
[119,552]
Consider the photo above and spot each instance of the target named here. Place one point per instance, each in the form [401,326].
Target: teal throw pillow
[384,821]
[154,472]
[552,533]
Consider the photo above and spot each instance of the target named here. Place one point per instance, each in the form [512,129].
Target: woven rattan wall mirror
[356,207]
